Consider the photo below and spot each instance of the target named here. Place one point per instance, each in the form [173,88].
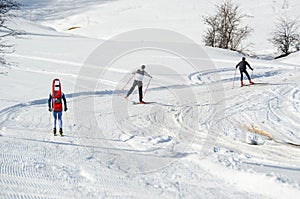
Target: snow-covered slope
[103,19]
[203,136]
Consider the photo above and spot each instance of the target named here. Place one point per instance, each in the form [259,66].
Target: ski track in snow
[33,163]
[272,109]
[19,125]
[155,150]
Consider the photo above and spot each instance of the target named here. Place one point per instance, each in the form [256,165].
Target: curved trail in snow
[265,115]
[156,132]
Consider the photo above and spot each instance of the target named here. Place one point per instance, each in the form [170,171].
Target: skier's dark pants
[140,86]
[141,93]
[244,71]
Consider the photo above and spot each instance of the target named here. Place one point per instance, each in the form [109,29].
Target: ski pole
[49,116]
[234,78]
[67,117]
[147,86]
[126,84]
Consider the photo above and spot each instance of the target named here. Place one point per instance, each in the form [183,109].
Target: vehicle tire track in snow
[30,172]
[25,173]
[52,182]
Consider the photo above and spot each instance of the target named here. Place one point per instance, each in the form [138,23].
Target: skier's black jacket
[243,64]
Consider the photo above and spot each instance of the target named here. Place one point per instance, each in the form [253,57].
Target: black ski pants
[140,86]
[247,74]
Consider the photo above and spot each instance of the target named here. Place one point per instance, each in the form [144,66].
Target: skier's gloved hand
[66,109]
[50,109]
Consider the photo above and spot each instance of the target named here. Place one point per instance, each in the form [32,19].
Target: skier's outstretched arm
[249,65]
[65,102]
[49,102]
[147,74]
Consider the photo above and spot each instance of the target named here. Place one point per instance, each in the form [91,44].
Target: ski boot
[242,84]
[61,132]
[251,82]
[54,131]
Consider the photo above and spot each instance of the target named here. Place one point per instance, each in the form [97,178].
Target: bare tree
[224,28]
[286,37]
[6,6]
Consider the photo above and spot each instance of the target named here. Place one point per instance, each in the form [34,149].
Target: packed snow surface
[200,136]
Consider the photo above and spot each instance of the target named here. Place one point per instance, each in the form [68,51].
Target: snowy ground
[201,137]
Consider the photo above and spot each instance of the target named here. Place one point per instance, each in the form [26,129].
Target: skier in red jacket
[55,104]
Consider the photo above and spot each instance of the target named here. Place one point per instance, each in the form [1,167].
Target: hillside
[200,136]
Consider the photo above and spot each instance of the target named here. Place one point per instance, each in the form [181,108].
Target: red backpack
[56,96]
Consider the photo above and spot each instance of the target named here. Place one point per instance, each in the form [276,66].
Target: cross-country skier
[243,65]
[55,104]
[138,81]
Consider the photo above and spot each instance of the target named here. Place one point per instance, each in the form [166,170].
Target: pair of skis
[134,103]
[242,84]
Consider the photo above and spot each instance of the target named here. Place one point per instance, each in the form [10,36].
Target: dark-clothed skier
[55,104]
[243,66]
[138,81]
